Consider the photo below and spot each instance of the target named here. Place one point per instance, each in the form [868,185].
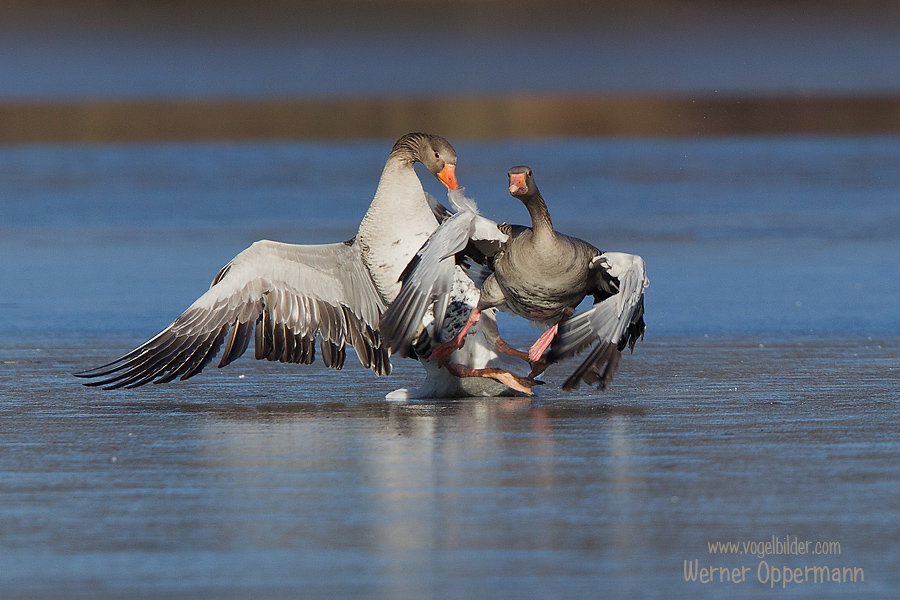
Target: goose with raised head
[293,294]
[540,274]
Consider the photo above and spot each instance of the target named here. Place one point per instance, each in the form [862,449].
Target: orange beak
[448,177]
[517,183]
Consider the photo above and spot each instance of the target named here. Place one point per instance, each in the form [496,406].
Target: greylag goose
[293,294]
[458,295]
[537,273]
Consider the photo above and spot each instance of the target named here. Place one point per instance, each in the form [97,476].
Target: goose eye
[437,154]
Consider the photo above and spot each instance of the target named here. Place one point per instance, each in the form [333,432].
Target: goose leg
[442,353]
[542,343]
[520,384]
[540,346]
[504,347]
[492,333]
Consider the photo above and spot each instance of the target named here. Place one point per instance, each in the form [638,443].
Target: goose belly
[540,303]
[540,289]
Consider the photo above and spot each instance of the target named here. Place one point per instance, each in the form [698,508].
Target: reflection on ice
[425,475]
[284,477]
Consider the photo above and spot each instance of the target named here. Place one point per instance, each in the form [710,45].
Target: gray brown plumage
[536,273]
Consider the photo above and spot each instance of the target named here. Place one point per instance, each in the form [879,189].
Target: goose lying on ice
[291,294]
[536,273]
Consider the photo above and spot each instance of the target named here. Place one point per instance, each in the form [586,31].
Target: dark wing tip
[597,369]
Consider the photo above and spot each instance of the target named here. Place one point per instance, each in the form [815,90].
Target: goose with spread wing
[293,294]
[537,273]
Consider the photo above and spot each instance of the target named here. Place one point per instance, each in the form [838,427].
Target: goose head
[523,187]
[433,151]
[521,183]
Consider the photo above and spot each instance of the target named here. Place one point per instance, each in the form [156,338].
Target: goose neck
[540,216]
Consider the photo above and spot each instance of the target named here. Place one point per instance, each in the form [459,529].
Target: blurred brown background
[108,70]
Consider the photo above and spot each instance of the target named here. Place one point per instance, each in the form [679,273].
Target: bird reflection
[395,477]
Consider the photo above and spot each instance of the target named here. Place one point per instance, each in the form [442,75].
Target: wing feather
[291,293]
[428,278]
[616,321]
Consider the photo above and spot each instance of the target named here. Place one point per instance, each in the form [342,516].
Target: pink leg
[537,366]
[442,353]
[542,343]
[520,384]
[503,347]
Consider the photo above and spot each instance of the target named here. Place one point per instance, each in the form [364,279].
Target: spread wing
[616,320]
[291,293]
